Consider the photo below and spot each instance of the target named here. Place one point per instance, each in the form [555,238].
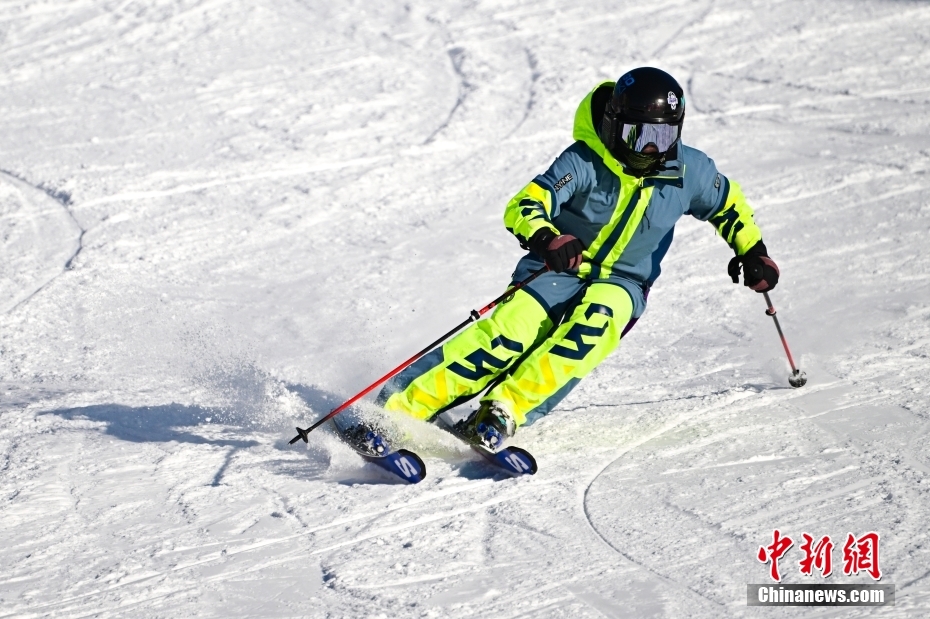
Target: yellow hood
[585,131]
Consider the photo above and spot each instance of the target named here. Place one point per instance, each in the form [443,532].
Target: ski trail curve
[40,205]
[667,427]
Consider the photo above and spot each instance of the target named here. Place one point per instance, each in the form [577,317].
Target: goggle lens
[638,136]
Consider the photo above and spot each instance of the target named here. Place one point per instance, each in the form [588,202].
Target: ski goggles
[639,135]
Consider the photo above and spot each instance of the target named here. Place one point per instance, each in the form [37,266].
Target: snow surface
[215,212]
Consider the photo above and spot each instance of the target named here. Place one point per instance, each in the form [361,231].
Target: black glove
[761,272]
[561,252]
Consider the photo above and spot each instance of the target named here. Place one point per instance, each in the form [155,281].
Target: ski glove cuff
[561,252]
[761,273]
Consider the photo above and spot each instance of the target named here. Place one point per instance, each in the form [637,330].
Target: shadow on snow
[158,424]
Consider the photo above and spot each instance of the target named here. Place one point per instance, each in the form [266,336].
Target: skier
[601,218]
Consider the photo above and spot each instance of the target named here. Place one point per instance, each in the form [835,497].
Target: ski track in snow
[35,257]
[218,219]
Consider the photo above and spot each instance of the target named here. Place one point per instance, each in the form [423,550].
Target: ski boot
[488,426]
[365,439]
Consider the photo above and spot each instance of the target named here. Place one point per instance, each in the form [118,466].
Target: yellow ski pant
[529,363]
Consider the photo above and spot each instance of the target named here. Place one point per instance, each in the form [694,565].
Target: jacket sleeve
[539,203]
[734,221]
[720,201]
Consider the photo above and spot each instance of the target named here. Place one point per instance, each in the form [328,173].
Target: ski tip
[526,465]
[513,460]
[410,465]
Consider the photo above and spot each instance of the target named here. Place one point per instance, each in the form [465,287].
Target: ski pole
[797,378]
[473,317]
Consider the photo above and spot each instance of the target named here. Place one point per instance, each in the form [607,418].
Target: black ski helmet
[645,98]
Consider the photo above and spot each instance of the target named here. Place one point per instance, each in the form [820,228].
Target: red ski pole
[474,316]
[797,378]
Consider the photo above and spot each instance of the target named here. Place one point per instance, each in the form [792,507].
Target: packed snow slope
[218,219]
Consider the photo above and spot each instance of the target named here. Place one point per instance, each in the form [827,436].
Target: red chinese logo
[779,546]
[819,555]
[861,555]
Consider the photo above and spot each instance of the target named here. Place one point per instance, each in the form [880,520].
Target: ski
[514,461]
[408,466]
[372,447]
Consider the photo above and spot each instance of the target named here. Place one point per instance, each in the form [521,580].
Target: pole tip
[301,435]
[798,379]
